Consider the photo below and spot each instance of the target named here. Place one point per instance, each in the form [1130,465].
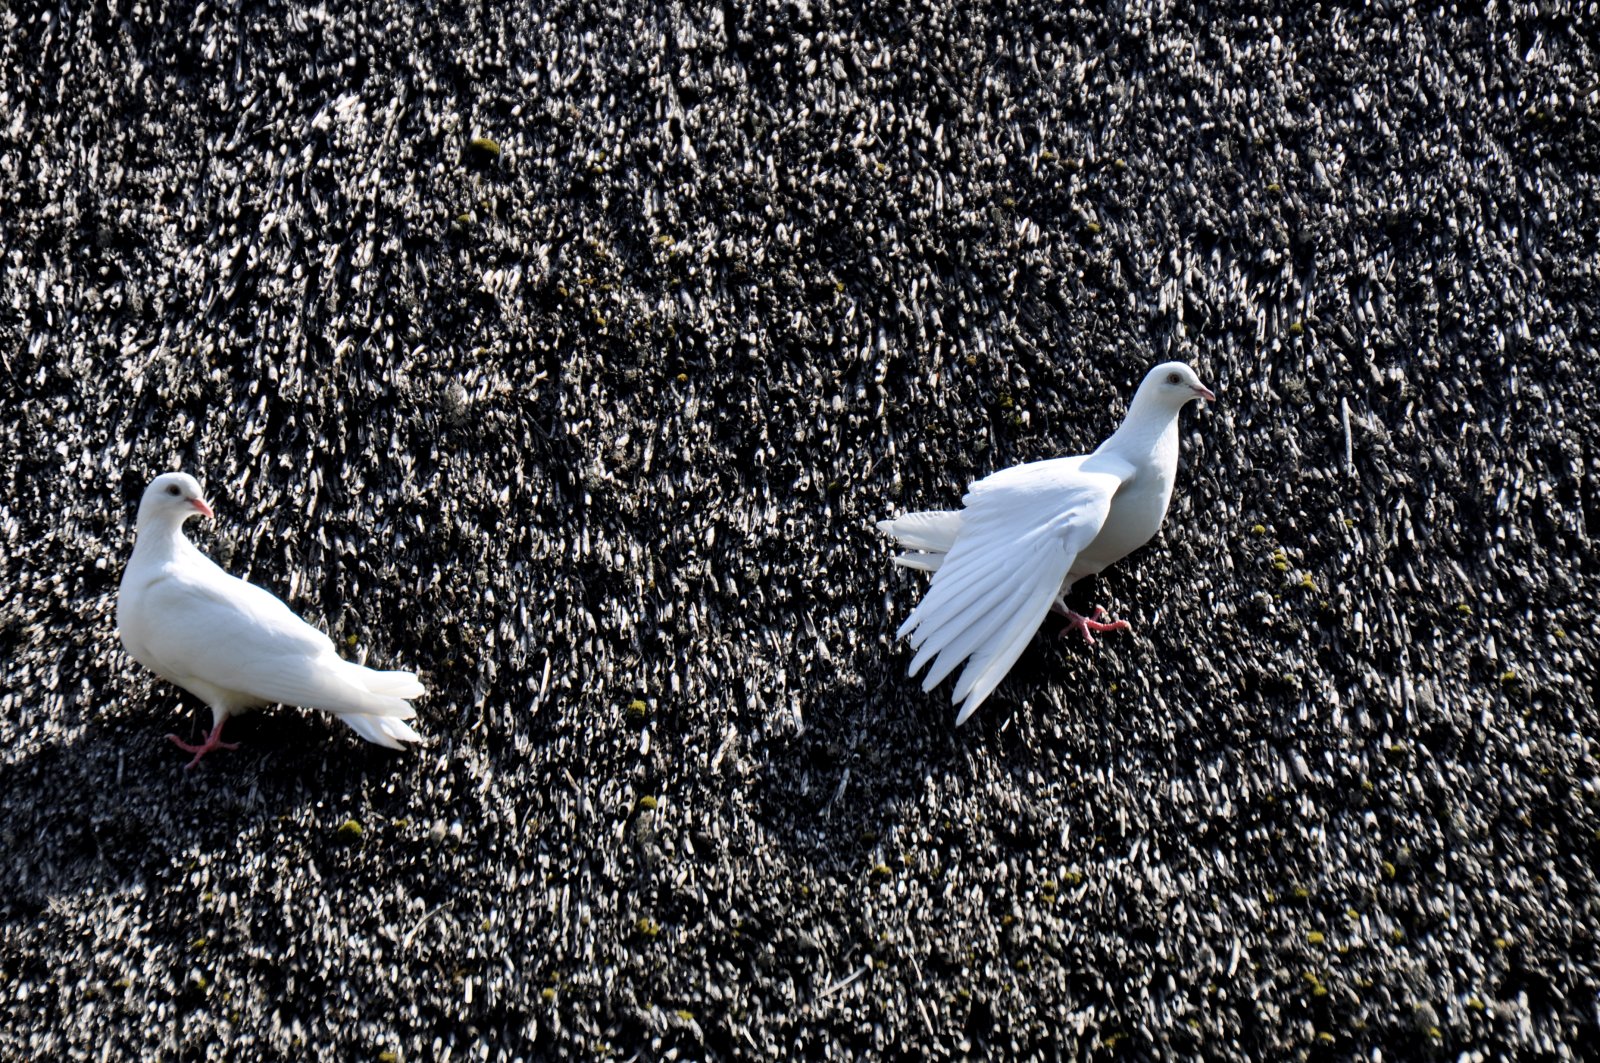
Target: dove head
[172,498]
[1153,414]
[1172,384]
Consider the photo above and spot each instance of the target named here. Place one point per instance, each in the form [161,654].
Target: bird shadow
[113,809]
[876,749]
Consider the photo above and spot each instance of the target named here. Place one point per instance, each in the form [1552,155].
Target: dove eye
[172,489]
[1172,378]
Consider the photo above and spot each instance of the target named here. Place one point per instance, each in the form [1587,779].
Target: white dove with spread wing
[233,644]
[1027,533]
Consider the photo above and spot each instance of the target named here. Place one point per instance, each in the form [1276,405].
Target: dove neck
[1150,429]
[162,537]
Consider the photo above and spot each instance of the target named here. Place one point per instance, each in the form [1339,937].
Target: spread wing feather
[1019,534]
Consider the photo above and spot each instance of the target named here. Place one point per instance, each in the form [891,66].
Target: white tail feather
[381,730]
[391,684]
[933,530]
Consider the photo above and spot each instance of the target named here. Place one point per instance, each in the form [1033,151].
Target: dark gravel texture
[589,420]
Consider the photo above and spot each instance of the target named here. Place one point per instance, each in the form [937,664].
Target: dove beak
[200,506]
[1203,392]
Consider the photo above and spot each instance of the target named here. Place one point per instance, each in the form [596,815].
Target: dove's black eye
[1172,378]
[172,489]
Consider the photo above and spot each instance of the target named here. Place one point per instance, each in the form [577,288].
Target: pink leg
[1085,625]
[213,741]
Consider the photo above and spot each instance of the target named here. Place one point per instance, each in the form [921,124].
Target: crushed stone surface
[568,355]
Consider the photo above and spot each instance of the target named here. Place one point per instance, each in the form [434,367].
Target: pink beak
[1204,392]
[205,510]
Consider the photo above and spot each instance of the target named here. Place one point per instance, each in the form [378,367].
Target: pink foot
[213,741]
[1086,625]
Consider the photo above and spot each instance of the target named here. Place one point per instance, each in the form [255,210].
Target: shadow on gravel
[880,754]
[114,809]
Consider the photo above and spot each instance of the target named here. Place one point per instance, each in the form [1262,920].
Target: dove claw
[1086,625]
[213,741]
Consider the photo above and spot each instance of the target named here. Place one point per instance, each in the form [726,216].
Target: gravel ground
[568,357]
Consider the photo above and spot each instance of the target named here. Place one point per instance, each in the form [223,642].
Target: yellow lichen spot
[683,378]
[1476,1003]
[1307,582]
[685,1014]
[351,640]
[1508,676]
[1296,328]
[1389,870]
[1463,608]
[388,1056]
[349,830]
[485,146]
[1502,943]
[881,869]
[1324,1037]
[549,993]
[1397,935]
[638,709]
[1316,937]
[647,926]
[647,802]
[1093,228]
[1258,529]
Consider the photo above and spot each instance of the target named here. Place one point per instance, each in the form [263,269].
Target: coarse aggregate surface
[567,353]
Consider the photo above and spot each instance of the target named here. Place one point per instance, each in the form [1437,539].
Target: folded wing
[238,637]
[1019,534]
